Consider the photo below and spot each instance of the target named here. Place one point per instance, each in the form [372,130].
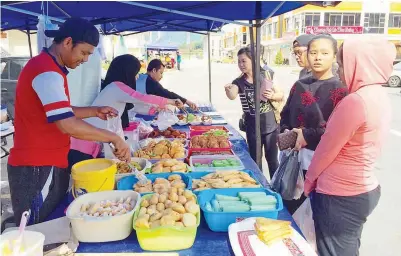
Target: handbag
[287,140]
[242,123]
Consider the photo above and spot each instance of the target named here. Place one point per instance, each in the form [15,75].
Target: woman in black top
[244,87]
[311,101]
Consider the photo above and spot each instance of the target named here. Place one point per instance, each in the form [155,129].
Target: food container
[102,229]
[93,175]
[31,244]
[127,183]
[199,130]
[217,150]
[209,159]
[209,151]
[219,221]
[166,238]
[144,163]
[199,175]
[155,160]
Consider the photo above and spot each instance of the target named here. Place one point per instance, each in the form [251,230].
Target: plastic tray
[127,183]
[153,161]
[209,159]
[217,150]
[165,238]
[209,152]
[199,175]
[199,130]
[144,163]
[219,221]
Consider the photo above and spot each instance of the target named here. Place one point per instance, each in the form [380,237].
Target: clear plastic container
[31,244]
[209,161]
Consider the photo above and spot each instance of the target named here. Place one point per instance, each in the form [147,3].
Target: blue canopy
[142,16]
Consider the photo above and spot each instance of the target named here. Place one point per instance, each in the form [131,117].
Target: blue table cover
[207,243]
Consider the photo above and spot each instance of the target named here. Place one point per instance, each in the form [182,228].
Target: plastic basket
[199,175]
[127,183]
[209,159]
[219,221]
[166,238]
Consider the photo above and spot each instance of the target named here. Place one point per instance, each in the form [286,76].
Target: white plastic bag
[166,119]
[113,125]
[299,189]
[303,217]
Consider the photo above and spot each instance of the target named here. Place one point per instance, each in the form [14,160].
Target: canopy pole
[255,51]
[28,33]
[210,67]
[273,12]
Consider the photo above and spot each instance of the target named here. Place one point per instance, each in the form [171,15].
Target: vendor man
[149,83]
[45,121]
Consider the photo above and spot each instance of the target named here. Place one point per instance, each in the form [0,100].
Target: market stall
[199,223]
[166,52]
[207,242]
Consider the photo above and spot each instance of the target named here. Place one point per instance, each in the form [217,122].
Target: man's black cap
[303,40]
[80,30]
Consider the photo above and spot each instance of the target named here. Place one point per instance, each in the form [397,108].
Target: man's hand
[300,143]
[103,112]
[268,94]
[192,105]
[122,150]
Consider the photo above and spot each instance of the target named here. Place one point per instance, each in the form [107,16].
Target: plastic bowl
[101,229]
[166,238]
[219,221]
[32,243]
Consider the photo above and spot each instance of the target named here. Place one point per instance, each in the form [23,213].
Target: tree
[279,58]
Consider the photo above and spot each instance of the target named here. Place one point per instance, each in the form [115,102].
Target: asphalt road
[382,232]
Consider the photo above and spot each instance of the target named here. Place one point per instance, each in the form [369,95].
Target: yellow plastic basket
[168,238]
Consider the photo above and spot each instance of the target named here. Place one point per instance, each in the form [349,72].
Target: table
[207,243]
[4,134]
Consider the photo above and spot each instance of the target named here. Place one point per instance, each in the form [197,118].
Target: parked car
[10,69]
[395,78]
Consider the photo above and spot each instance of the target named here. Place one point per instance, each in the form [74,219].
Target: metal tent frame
[254,27]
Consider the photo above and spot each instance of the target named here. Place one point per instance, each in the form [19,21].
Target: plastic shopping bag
[113,125]
[286,177]
[166,119]
[303,216]
[299,189]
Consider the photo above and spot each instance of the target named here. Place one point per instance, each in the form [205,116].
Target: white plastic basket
[102,229]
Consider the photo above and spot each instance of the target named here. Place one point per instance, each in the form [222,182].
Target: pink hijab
[367,62]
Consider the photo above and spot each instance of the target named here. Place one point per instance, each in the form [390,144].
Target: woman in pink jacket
[341,171]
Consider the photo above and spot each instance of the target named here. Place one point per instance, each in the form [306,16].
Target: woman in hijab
[117,91]
[341,171]
[311,101]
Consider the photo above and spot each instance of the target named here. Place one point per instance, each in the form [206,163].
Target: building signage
[334,30]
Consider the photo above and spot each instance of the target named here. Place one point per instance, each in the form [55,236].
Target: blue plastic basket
[219,221]
[199,175]
[127,183]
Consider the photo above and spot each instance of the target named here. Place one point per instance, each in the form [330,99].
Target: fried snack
[225,179]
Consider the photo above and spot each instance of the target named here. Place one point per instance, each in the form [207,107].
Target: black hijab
[123,68]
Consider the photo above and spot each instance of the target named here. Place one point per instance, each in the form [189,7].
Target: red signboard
[334,30]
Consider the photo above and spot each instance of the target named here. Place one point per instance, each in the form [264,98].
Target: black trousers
[75,156]
[269,144]
[36,188]
[339,221]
